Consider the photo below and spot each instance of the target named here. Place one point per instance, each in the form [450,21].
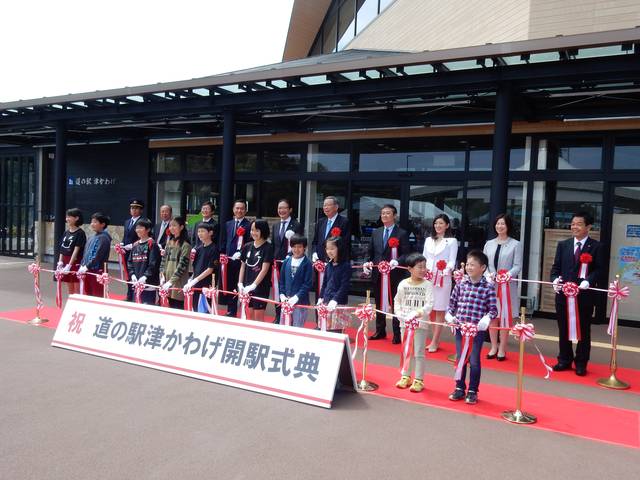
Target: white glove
[250,288]
[283,298]
[314,257]
[288,234]
[489,277]
[293,300]
[134,279]
[162,252]
[556,285]
[584,284]
[393,264]
[240,287]
[188,285]
[82,269]
[127,247]
[166,285]
[142,280]
[449,318]
[331,306]
[235,256]
[319,302]
[67,268]
[59,265]
[484,322]
[366,267]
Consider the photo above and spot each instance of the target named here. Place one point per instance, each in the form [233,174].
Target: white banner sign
[288,362]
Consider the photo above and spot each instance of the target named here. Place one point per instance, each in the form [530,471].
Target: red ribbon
[104,279]
[585,260]
[275,281]
[163,293]
[335,232]
[188,299]
[503,279]
[526,332]
[212,294]
[458,275]
[385,285]
[410,326]
[394,243]
[34,269]
[81,278]
[122,261]
[244,298]
[615,293]
[286,309]
[224,260]
[439,275]
[240,234]
[365,314]
[571,292]
[138,288]
[467,330]
[319,267]
[323,316]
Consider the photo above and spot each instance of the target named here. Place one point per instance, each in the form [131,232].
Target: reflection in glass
[196,194]
[166,162]
[246,161]
[412,161]
[169,193]
[275,161]
[427,201]
[579,154]
[200,162]
[627,153]
[324,157]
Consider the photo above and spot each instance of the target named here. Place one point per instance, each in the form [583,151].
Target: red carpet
[532,365]
[605,424]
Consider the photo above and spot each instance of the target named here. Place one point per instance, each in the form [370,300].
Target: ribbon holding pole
[526,332]
[122,261]
[410,326]
[438,278]
[503,279]
[365,313]
[244,298]
[571,291]
[104,279]
[34,269]
[616,293]
[58,274]
[385,285]
[286,309]
[468,330]
[319,267]
[224,261]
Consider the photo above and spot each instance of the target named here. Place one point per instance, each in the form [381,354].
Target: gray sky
[71,46]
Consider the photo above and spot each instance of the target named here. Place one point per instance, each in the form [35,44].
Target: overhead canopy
[579,76]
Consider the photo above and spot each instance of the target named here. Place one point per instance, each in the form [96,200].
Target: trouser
[381,319]
[91,285]
[474,362]
[231,301]
[583,349]
[419,344]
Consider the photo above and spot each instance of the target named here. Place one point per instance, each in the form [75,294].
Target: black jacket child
[144,261]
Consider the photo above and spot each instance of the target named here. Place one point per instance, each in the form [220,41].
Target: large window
[571,154]
[316,193]
[627,153]
[403,157]
[328,157]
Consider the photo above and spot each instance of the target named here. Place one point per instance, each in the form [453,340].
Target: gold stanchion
[517,415]
[364,385]
[612,381]
[37,320]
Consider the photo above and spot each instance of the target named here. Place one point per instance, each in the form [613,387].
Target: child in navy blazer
[296,279]
[335,287]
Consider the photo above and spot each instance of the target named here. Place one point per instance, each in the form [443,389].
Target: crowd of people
[248,257]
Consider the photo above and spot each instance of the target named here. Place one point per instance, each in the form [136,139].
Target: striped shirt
[470,301]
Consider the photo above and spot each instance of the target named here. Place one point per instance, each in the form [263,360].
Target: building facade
[535,127]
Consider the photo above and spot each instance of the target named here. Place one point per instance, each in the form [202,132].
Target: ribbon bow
[438,279]
[526,332]
[138,288]
[34,269]
[287,309]
[81,277]
[571,291]
[244,298]
[365,314]
[163,293]
[224,260]
[616,293]
[384,267]
[323,315]
[503,276]
[410,325]
[104,279]
[503,279]
[121,261]
[467,330]
[58,276]
[458,275]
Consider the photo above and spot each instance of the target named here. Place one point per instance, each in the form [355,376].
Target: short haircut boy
[414,258]
[101,218]
[144,222]
[205,225]
[298,240]
[479,256]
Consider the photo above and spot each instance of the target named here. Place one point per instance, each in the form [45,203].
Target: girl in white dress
[441,248]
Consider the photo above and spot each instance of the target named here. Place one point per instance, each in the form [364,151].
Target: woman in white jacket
[440,250]
[504,253]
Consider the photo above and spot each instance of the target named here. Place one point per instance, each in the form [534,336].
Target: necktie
[329,225]
[387,232]
[282,229]
[236,229]
[576,254]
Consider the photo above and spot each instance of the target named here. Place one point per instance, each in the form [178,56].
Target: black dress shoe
[581,371]
[378,336]
[501,359]
[491,356]
[560,367]
[396,340]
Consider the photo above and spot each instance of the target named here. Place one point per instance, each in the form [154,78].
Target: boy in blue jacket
[296,279]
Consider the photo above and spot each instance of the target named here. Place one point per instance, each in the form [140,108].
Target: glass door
[625,247]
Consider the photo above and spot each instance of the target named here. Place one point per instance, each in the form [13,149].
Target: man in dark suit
[161,229]
[567,268]
[379,250]
[280,238]
[130,236]
[331,221]
[207,217]
[230,245]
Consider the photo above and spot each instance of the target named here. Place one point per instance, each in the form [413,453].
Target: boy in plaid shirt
[473,300]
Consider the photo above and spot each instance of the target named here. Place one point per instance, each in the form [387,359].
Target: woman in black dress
[72,249]
[255,269]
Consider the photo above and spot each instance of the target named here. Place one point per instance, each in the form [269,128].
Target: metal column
[501,153]
[228,168]
[59,188]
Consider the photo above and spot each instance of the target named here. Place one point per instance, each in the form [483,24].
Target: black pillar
[501,152]
[228,168]
[59,188]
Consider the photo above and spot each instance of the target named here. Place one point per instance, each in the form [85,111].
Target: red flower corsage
[240,232]
[441,265]
[335,232]
[394,242]
[586,258]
